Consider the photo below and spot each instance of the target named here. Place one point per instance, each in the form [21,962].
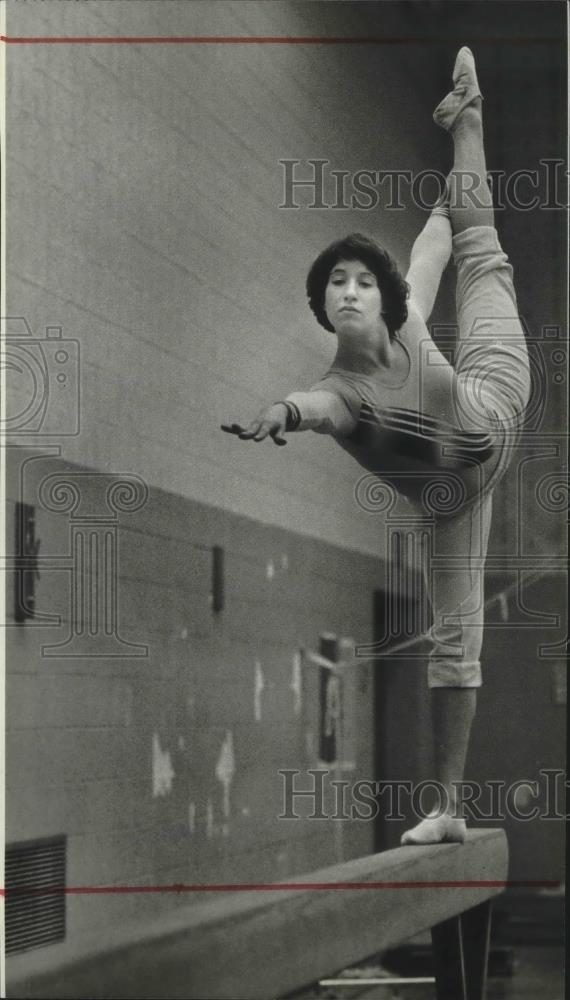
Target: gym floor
[538,971]
[526,957]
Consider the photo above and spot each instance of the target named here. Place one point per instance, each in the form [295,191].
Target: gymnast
[397,405]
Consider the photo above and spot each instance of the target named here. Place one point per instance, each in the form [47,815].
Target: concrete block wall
[144,219]
[127,756]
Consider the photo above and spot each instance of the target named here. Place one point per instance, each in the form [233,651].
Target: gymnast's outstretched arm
[316,410]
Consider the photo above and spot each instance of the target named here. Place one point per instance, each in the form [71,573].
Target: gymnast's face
[353,301]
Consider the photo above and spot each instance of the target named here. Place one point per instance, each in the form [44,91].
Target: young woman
[442,436]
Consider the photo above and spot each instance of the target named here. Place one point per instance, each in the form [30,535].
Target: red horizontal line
[258,40]
[273,887]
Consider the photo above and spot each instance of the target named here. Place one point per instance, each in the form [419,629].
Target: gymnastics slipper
[465,91]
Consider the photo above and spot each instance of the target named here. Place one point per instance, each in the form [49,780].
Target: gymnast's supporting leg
[455,584]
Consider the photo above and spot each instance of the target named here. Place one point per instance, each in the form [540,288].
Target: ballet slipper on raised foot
[465,91]
[437,828]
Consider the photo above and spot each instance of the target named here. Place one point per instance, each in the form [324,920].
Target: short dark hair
[394,289]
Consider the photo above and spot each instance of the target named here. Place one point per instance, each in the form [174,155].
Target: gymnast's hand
[269,423]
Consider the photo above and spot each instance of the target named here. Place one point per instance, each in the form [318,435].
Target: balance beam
[259,944]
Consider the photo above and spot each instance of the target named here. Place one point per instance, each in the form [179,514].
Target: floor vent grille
[35,910]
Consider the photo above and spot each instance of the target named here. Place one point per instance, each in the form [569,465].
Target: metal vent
[35,918]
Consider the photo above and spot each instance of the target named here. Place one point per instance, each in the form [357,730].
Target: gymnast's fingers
[276,435]
[265,427]
[252,431]
[232,428]
[270,428]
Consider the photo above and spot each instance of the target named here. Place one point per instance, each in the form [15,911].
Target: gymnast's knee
[454,672]
[454,656]
[480,242]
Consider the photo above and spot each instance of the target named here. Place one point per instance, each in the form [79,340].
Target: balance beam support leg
[448,960]
[475,933]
